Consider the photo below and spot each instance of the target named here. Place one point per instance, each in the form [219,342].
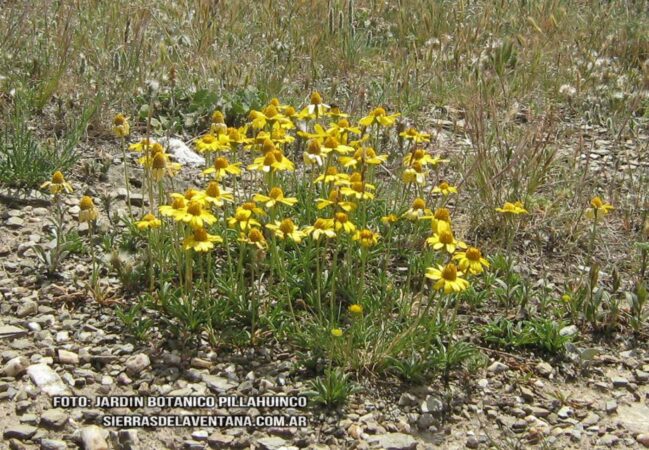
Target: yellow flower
[415,174]
[242,218]
[275,196]
[222,168]
[441,215]
[321,227]
[332,175]
[286,229]
[566,298]
[177,208]
[161,166]
[143,146]
[87,210]
[445,189]
[448,278]
[218,117]
[342,222]
[364,155]
[366,238]
[211,143]
[215,195]
[598,208]
[254,237]
[411,134]
[421,156]
[472,260]
[313,154]
[355,308]
[57,184]
[201,241]
[331,144]
[196,216]
[444,239]
[389,219]
[335,199]
[417,210]
[148,221]
[271,162]
[336,332]
[358,190]
[380,117]
[150,154]
[316,108]
[335,113]
[512,208]
[121,127]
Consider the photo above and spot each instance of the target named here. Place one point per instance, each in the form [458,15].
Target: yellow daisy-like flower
[254,237]
[417,210]
[177,208]
[389,219]
[355,308]
[214,195]
[444,239]
[331,144]
[445,189]
[243,219]
[332,175]
[342,222]
[211,143]
[421,156]
[121,128]
[271,162]
[336,200]
[148,221]
[441,215]
[358,190]
[286,229]
[275,196]
[87,210]
[57,184]
[237,136]
[379,116]
[336,332]
[366,238]
[447,278]
[336,114]
[512,208]
[411,134]
[471,260]
[150,153]
[313,154]
[364,155]
[321,227]
[161,166]
[316,108]
[415,174]
[201,241]
[598,208]
[196,216]
[222,168]
[143,146]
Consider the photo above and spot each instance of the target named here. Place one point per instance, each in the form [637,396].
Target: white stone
[46,379]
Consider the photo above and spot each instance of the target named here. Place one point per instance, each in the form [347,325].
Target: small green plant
[134,320]
[333,389]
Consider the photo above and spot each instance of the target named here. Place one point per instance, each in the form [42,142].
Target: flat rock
[272,443]
[16,366]
[46,379]
[498,367]
[137,363]
[93,438]
[643,438]
[220,440]
[21,432]
[53,444]
[218,384]
[66,357]
[9,331]
[54,418]
[634,418]
[395,441]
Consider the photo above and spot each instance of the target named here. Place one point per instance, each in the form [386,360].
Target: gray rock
[570,330]
[544,369]
[272,443]
[407,399]
[218,384]
[395,441]
[634,418]
[498,367]
[432,405]
[21,432]
[66,357]
[15,222]
[16,366]
[93,438]
[220,440]
[425,420]
[137,363]
[53,444]
[565,412]
[27,308]
[611,406]
[590,420]
[608,440]
[128,440]
[46,379]
[619,382]
[54,418]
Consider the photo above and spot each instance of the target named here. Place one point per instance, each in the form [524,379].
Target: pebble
[407,399]
[136,364]
[53,444]
[619,382]
[93,438]
[16,366]
[608,440]
[611,406]
[220,440]
[54,418]
[498,367]
[45,378]
[395,441]
[272,443]
[128,440]
[21,432]
[544,369]
[66,357]
[432,405]
[27,308]
[643,439]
